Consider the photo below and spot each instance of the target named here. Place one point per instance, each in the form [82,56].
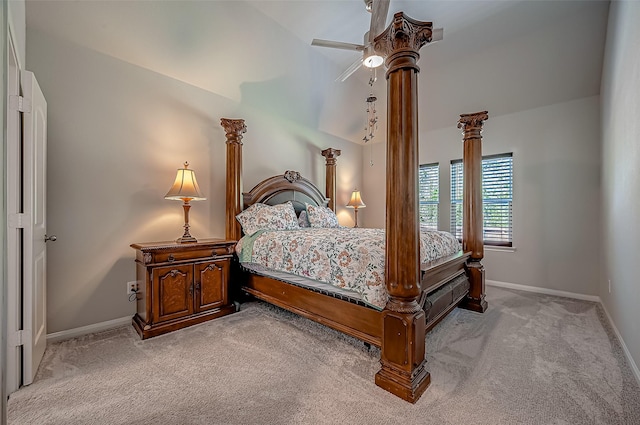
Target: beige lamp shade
[185,187]
[356,200]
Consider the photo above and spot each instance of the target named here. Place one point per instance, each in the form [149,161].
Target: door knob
[51,238]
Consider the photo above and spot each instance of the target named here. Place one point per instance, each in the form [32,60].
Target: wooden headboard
[274,190]
[290,186]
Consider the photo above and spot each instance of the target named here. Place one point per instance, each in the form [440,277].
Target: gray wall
[556,151]
[119,129]
[621,172]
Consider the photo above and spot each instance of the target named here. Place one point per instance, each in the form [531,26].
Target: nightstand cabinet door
[173,292]
[210,284]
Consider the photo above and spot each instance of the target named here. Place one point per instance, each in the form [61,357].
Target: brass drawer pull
[171,258]
[213,266]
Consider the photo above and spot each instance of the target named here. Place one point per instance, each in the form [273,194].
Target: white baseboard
[84,330]
[546,291]
[627,353]
[594,298]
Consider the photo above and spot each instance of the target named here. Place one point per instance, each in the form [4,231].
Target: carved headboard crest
[292,176]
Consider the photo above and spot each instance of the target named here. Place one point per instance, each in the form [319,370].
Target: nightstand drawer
[150,254]
[170,257]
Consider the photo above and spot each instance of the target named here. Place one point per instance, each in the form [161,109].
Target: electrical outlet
[609,285]
[132,287]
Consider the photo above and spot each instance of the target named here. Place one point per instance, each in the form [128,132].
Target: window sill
[499,248]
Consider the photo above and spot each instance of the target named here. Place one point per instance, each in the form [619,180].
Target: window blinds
[497,199]
[429,195]
[456,198]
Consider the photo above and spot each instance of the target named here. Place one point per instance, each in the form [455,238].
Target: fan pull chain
[371,155]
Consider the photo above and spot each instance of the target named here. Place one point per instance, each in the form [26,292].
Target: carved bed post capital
[331,156]
[401,41]
[403,371]
[471,124]
[234,128]
[472,220]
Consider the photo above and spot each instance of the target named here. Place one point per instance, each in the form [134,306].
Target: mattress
[349,259]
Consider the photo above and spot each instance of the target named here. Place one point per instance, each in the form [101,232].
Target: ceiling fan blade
[437,34]
[352,68]
[379,11]
[337,45]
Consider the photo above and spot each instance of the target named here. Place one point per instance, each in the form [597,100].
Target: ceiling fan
[369,58]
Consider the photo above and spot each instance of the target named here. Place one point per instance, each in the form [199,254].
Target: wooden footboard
[358,321]
[445,284]
[365,323]
[438,272]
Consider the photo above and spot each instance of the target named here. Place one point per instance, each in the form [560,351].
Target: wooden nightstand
[180,285]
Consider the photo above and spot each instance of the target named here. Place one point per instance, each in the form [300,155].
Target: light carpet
[530,359]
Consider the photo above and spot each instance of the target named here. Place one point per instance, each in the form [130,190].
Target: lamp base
[187,239]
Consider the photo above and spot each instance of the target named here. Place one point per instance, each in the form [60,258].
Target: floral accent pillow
[321,217]
[303,219]
[268,217]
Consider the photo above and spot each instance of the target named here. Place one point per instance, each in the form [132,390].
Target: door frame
[13,202]
[4,35]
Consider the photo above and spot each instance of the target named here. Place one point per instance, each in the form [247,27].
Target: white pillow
[321,216]
[267,217]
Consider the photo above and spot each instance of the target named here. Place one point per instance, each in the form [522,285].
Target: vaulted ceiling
[503,56]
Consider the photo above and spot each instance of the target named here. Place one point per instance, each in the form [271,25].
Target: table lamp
[185,189]
[355,203]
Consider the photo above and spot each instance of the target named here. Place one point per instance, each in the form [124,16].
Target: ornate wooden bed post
[472,226]
[331,156]
[403,371]
[234,130]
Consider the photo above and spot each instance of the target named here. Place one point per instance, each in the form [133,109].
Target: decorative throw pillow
[321,216]
[267,217]
[303,219]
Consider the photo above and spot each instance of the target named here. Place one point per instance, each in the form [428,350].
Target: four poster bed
[418,291]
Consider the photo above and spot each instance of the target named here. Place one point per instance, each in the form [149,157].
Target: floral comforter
[349,258]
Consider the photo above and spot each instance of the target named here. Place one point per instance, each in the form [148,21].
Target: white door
[34,136]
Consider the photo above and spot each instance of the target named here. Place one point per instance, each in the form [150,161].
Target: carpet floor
[530,359]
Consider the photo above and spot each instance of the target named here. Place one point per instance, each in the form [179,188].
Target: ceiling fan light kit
[370,59]
[373,61]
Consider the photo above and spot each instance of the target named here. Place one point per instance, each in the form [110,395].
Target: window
[497,199]
[429,197]
[456,198]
